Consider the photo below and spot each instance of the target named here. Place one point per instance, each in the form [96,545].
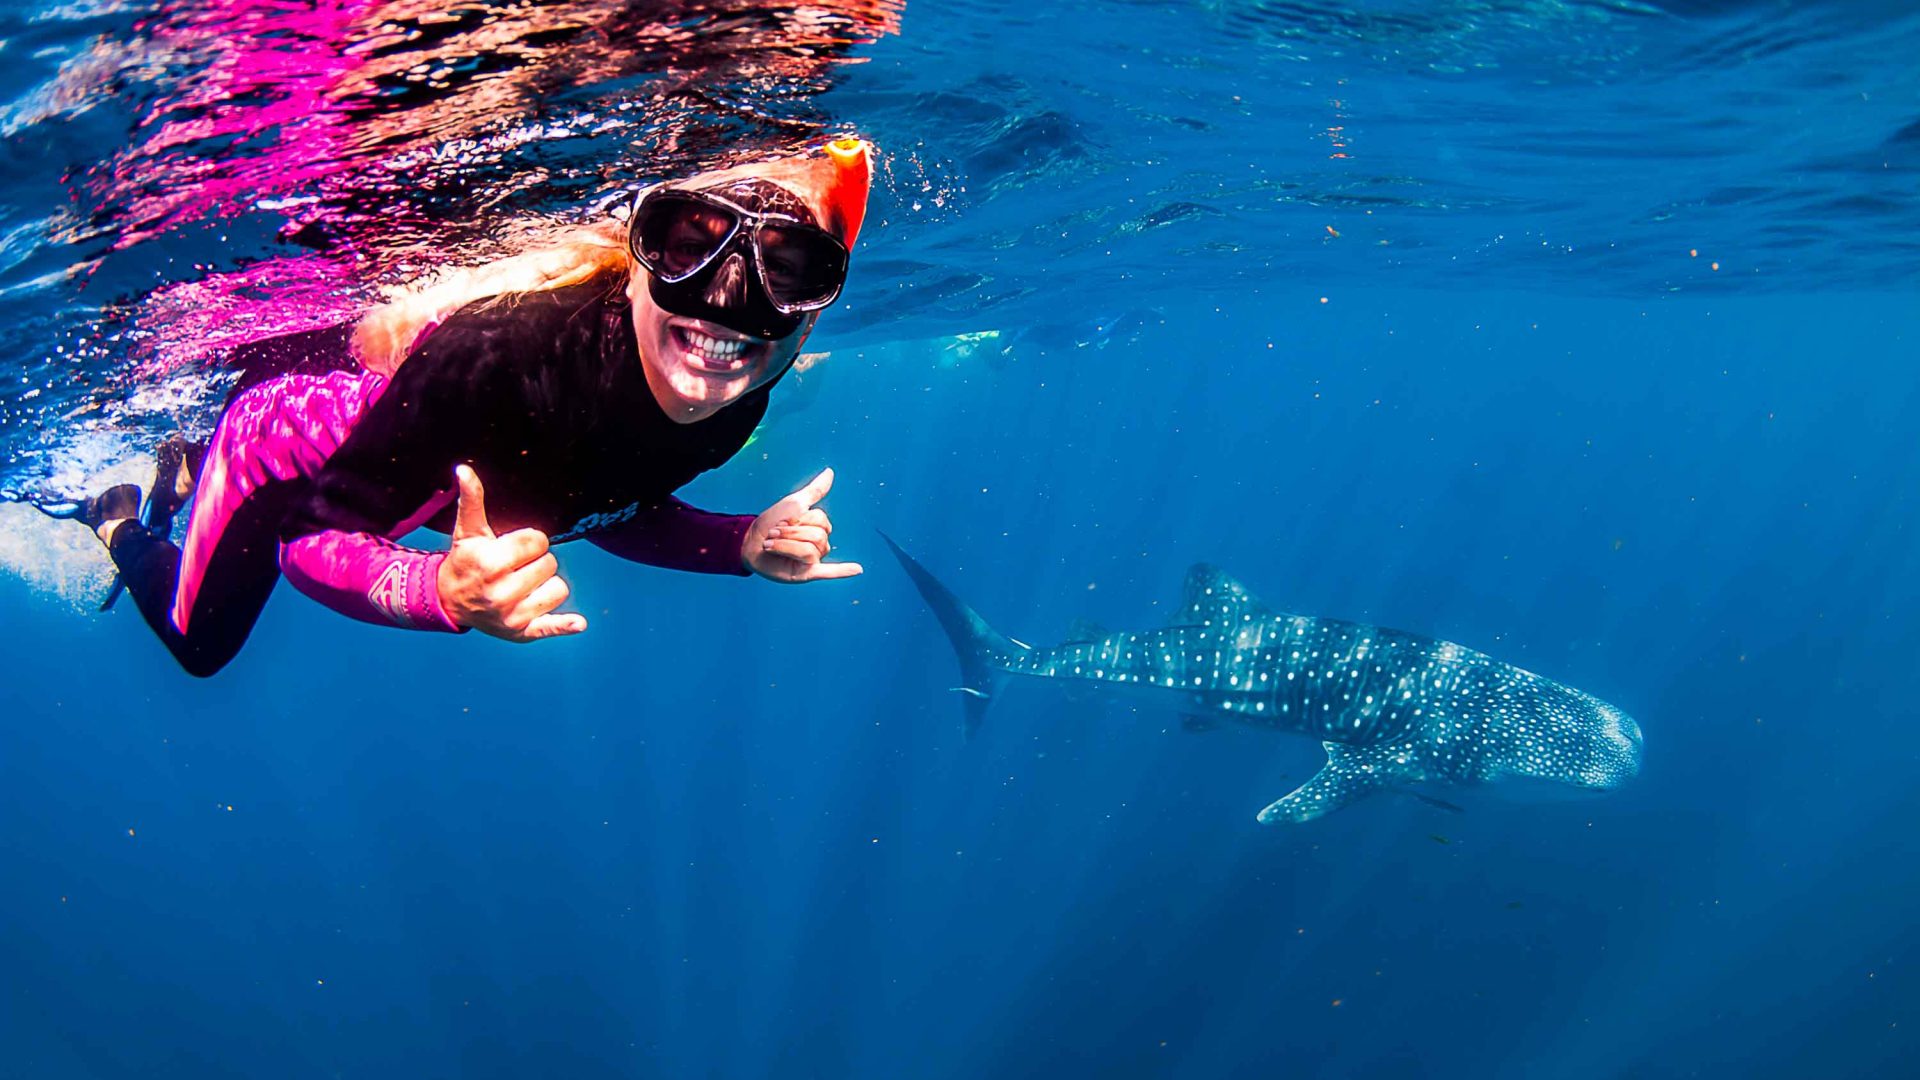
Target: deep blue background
[1465,380]
[732,830]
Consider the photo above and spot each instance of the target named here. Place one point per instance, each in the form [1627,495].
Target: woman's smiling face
[695,366]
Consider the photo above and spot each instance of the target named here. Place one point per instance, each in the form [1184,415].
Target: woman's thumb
[470,513]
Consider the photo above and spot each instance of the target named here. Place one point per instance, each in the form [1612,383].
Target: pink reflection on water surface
[389,137]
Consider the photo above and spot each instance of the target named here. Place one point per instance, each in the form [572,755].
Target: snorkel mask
[747,249]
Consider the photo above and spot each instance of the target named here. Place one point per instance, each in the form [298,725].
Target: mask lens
[676,235]
[804,266]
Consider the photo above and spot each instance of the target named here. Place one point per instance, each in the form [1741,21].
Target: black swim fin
[119,501]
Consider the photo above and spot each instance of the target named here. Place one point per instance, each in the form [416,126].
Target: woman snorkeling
[560,394]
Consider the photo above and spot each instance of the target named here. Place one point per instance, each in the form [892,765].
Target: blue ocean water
[1581,334]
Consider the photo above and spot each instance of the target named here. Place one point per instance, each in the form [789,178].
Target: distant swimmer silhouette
[584,381]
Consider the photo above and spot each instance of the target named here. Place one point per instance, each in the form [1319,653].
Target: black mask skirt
[728,290]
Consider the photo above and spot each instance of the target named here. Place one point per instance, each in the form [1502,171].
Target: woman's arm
[504,585]
[788,542]
[369,578]
[676,536]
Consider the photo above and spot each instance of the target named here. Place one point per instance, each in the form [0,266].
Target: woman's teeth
[715,352]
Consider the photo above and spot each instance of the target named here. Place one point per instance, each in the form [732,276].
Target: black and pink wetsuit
[317,472]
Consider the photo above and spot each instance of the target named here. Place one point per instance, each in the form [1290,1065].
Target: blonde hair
[388,331]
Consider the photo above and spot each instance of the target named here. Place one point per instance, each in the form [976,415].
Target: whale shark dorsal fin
[1212,597]
[1351,773]
[1084,631]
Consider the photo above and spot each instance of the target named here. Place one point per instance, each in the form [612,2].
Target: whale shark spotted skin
[1393,710]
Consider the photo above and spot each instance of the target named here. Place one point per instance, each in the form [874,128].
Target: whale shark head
[1568,739]
[1623,735]
[1610,748]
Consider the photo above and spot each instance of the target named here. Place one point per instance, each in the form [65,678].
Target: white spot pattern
[1393,708]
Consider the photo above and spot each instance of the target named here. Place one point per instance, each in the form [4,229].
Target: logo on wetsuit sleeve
[389,593]
[593,523]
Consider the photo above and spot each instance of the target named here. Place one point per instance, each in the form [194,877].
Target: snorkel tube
[851,179]
[833,180]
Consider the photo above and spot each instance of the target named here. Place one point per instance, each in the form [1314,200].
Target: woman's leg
[203,600]
[234,588]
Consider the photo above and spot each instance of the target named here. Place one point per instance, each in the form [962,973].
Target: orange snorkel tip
[852,177]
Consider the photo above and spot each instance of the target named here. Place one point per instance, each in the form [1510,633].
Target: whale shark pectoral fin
[1211,596]
[1349,774]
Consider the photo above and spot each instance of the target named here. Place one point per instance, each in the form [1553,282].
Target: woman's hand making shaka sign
[789,543]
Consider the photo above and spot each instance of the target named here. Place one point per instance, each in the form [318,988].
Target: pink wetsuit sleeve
[369,578]
[676,536]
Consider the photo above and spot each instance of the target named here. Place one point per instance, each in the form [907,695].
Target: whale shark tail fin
[977,644]
[1350,774]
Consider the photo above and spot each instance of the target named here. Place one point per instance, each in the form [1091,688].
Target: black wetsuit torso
[545,397]
[543,394]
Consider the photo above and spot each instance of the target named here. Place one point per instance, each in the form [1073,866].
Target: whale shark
[1394,711]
